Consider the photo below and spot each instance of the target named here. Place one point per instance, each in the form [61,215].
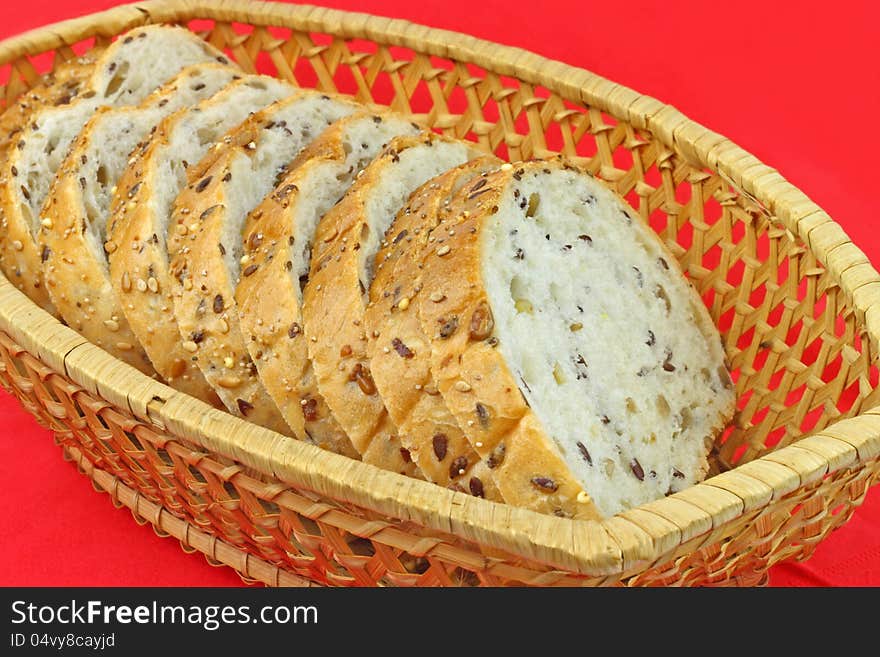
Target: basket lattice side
[279,534]
[795,300]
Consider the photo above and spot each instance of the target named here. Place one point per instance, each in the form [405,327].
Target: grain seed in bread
[119,78]
[278,240]
[73,239]
[596,379]
[141,212]
[335,297]
[54,89]
[59,87]
[399,351]
[207,261]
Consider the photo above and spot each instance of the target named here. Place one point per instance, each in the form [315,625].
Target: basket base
[250,568]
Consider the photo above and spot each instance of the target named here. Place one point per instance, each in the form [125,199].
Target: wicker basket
[797,303]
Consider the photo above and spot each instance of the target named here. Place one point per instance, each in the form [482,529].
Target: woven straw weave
[797,304]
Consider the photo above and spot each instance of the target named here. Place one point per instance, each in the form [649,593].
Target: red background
[796,83]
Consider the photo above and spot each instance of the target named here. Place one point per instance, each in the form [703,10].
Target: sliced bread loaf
[72,240]
[53,90]
[206,261]
[120,77]
[400,353]
[335,296]
[141,212]
[278,238]
[570,346]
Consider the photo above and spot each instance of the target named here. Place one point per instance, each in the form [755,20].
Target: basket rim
[623,544]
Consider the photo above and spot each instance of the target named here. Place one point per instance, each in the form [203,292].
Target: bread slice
[141,211]
[400,353]
[335,297]
[277,243]
[72,242]
[59,87]
[570,346]
[206,258]
[120,78]
[54,89]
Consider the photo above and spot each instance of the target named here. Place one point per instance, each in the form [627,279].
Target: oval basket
[798,306]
